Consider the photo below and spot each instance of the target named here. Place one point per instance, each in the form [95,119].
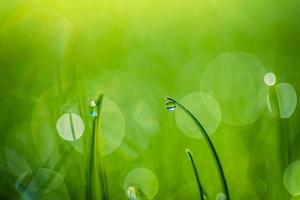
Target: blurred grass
[56,55]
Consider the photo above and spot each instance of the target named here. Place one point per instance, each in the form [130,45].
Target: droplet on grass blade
[170,105]
[221,196]
[70,126]
[144,180]
[93,106]
[93,103]
[93,113]
[133,193]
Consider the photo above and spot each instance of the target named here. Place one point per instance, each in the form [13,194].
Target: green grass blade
[199,185]
[210,145]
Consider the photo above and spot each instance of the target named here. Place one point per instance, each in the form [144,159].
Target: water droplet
[270,79]
[133,193]
[221,196]
[170,105]
[93,106]
[93,103]
[94,113]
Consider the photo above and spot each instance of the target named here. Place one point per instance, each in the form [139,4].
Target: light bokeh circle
[235,80]
[287,99]
[291,178]
[139,110]
[205,108]
[70,126]
[112,125]
[143,179]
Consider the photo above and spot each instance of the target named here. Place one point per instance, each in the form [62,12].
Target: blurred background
[233,64]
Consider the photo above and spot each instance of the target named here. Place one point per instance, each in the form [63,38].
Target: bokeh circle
[291,178]
[235,79]
[144,179]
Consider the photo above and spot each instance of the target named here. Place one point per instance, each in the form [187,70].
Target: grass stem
[200,187]
[210,145]
[92,172]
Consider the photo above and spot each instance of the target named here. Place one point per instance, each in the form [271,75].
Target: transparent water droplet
[93,103]
[170,105]
[133,193]
[270,79]
[93,111]
[221,196]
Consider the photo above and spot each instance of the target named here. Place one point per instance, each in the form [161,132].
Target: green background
[57,55]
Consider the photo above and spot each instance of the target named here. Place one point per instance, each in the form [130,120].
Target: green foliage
[56,56]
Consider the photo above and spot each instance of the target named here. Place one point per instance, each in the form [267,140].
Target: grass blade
[92,165]
[210,145]
[199,185]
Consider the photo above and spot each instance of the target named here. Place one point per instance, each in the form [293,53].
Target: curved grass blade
[199,185]
[210,145]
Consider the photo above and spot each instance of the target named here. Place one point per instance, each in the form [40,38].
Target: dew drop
[270,79]
[133,193]
[221,196]
[93,106]
[170,105]
[94,113]
[93,103]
